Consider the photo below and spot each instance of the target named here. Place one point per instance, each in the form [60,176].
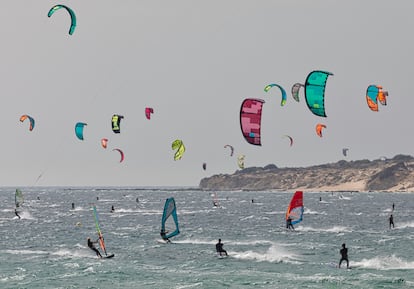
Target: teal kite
[79,130]
[315,92]
[71,13]
[282,90]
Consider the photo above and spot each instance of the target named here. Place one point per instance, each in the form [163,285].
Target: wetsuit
[219,248]
[16,213]
[344,256]
[92,247]
[289,224]
[391,221]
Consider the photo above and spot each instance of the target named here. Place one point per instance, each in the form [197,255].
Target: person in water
[393,207]
[93,248]
[219,248]
[17,213]
[391,220]
[289,223]
[164,237]
[344,256]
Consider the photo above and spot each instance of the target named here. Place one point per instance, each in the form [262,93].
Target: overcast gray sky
[194,62]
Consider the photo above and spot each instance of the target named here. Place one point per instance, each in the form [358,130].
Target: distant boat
[295,208]
[169,221]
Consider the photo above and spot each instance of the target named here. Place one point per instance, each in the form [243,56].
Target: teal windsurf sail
[169,225]
[18,198]
[98,230]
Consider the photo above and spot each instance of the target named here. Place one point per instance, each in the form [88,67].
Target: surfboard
[335,265]
[161,241]
[109,256]
[224,256]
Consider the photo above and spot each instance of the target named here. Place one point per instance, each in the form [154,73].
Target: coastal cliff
[396,174]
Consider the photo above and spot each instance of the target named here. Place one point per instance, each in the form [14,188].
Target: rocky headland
[396,174]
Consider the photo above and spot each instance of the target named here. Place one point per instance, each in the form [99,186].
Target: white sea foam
[334,229]
[384,263]
[275,253]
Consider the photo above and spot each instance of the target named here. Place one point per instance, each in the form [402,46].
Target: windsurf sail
[295,208]
[98,230]
[18,198]
[169,225]
[215,200]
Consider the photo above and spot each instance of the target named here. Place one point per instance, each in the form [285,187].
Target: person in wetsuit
[344,256]
[93,248]
[164,237]
[219,248]
[391,220]
[289,223]
[17,213]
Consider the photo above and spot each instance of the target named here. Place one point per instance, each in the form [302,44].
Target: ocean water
[47,247]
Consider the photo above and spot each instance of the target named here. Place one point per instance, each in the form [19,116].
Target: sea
[47,247]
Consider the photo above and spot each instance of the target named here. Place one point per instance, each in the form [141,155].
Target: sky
[194,62]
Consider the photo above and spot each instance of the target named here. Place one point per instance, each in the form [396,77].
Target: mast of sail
[295,208]
[170,210]
[18,198]
[98,230]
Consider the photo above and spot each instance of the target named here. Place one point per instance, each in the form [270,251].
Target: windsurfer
[93,248]
[17,213]
[219,248]
[289,223]
[391,219]
[344,256]
[164,237]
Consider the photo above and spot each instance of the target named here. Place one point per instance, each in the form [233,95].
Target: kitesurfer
[391,219]
[73,206]
[393,206]
[112,209]
[164,237]
[137,200]
[344,256]
[219,248]
[17,214]
[289,223]
[93,248]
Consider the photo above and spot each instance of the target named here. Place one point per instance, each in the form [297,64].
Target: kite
[315,92]
[319,128]
[295,91]
[148,111]
[79,130]
[71,13]
[179,146]
[374,95]
[104,142]
[231,149]
[116,123]
[240,161]
[250,120]
[32,121]
[345,151]
[290,138]
[268,87]
[122,154]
